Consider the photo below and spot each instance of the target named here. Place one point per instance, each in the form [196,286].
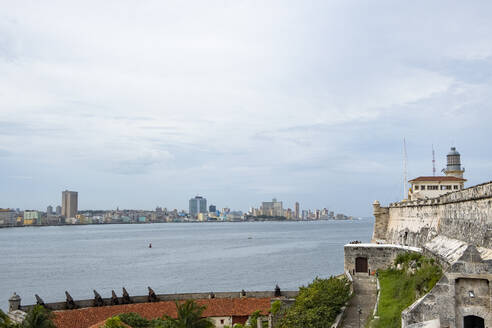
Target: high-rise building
[296,211]
[49,210]
[198,204]
[58,210]
[212,208]
[69,204]
[272,208]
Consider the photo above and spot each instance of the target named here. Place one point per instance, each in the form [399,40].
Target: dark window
[422,187]
[416,187]
[456,187]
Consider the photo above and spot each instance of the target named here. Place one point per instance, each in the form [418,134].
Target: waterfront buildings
[69,204]
[32,217]
[212,208]
[7,217]
[296,211]
[198,204]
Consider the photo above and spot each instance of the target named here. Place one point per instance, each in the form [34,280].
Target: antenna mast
[433,162]
[404,168]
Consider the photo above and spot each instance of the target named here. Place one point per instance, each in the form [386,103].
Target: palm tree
[38,317]
[189,316]
[4,320]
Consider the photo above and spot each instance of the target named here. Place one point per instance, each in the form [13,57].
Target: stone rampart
[464,215]
[165,297]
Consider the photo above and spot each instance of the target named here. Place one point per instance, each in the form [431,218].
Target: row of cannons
[126,299]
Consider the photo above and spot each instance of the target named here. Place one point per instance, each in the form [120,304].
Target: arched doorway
[472,321]
[361,264]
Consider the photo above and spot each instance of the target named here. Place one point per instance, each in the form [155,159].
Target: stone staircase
[364,298]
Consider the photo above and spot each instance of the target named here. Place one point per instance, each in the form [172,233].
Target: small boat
[150,245]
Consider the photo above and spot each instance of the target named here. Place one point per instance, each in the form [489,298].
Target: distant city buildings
[69,204]
[7,217]
[272,208]
[32,217]
[198,212]
[198,204]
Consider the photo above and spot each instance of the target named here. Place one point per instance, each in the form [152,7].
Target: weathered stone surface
[379,256]
[463,215]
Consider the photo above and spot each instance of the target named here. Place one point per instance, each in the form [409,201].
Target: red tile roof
[438,179]
[216,307]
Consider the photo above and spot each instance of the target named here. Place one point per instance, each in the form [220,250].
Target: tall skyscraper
[58,210]
[49,210]
[212,208]
[296,211]
[69,203]
[198,204]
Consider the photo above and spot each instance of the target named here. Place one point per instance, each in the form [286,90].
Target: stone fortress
[454,228]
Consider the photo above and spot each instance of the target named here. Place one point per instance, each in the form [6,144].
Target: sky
[138,104]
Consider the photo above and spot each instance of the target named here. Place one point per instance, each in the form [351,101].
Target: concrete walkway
[365,297]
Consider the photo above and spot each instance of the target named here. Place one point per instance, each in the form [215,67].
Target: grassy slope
[400,288]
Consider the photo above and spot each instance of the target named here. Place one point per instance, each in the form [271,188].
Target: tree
[189,316]
[38,317]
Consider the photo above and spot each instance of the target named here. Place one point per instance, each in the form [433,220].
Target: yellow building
[32,217]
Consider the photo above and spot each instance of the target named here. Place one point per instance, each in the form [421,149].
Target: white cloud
[246,93]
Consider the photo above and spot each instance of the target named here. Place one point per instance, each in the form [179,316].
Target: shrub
[318,304]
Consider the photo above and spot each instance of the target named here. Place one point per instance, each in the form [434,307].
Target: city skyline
[241,102]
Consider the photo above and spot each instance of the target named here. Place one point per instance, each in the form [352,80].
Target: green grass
[400,288]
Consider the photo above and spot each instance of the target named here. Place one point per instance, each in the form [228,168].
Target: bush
[134,320]
[318,304]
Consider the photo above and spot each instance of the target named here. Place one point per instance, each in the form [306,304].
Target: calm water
[184,257]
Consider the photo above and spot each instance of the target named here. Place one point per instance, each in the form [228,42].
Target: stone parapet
[167,297]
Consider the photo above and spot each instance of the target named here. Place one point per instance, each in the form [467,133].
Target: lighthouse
[453,168]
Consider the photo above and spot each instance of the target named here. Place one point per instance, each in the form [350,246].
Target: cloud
[306,100]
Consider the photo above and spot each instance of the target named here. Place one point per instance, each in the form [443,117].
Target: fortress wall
[464,215]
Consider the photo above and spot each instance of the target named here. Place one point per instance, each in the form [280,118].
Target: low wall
[379,256]
[167,297]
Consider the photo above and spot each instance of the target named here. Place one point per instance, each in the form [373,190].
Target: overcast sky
[143,103]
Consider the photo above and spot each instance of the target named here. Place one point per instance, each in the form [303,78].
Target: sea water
[185,257]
